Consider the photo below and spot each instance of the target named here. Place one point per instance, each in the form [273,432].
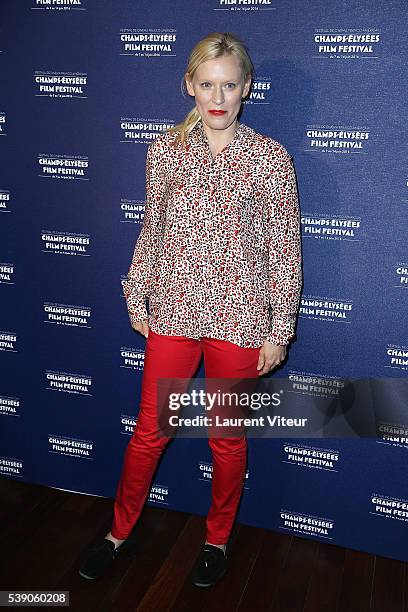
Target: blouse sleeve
[137,285]
[284,246]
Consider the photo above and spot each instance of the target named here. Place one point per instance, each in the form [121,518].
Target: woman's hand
[142,327]
[270,356]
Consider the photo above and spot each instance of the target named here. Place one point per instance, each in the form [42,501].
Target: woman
[219,259]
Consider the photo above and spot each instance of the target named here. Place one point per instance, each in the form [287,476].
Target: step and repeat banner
[87,85]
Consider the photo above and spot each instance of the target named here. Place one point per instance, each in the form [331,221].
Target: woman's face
[218,85]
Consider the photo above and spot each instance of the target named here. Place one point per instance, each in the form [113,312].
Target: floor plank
[46,532]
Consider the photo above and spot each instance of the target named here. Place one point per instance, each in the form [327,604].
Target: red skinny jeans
[179,357]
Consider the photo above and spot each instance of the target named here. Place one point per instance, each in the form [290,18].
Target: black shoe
[210,566]
[100,557]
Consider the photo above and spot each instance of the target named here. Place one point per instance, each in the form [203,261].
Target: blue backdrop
[86,87]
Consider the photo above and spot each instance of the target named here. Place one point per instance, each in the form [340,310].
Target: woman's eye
[227,85]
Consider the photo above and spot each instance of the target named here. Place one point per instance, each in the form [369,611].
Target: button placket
[208,235]
[207,247]
[205,269]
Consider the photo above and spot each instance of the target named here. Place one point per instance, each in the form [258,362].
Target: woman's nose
[218,97]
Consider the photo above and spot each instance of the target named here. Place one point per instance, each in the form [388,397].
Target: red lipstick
[217,112]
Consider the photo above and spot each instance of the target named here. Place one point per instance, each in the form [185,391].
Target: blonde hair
[214,45]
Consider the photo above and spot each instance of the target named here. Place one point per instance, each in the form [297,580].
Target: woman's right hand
[142,327]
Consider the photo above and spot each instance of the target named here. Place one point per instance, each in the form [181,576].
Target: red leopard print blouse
[219,252]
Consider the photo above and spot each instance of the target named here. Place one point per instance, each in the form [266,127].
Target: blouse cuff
[135,302]
[282,330]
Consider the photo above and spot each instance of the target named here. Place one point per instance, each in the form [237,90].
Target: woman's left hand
[270,356]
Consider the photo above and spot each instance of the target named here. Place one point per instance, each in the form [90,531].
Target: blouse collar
[199,137]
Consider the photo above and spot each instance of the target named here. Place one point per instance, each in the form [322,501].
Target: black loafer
[100,557]
[210,566]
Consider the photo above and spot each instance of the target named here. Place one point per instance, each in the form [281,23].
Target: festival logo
[393,508]
[158,494]
[332,227]
[68,383]
[142,131]
[326,309]
[306,524]
[10,466]
[347,43]
[10,406]
[315,385]
[56,84]
[132,211]
[205,470]
[65,314]
[397,357]
[8,341]
[259,93]
[392,434]
[63,167]
[132,358]
[340,139]
[401,275]
[306,456]
[7,273]
[65,243]
[70,447]
[5,200]
[127,424]
[148,42]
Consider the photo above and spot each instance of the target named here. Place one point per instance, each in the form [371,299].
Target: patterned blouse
[219,252]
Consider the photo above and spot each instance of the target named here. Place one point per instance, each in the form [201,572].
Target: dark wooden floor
[45,532]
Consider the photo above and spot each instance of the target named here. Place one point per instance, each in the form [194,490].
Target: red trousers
[179,357]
